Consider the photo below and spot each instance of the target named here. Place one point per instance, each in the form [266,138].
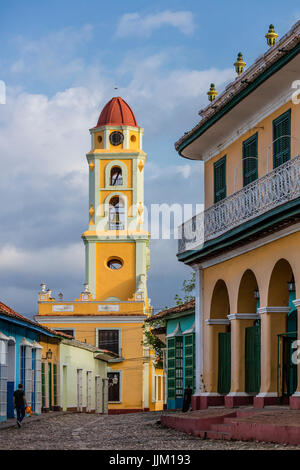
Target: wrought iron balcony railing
[275,188]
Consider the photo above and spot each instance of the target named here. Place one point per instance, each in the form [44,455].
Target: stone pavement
[138,431]
[11,423]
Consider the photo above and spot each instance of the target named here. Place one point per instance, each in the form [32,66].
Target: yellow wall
[272,289]
[121,282]
[131,349]
[103,165]
[97,136]
[134,141]
[234,153]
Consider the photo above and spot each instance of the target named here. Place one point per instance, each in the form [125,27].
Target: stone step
[220,435]
[221,427]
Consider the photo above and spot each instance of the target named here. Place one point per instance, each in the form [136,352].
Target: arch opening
[116,213]
[220,306]
[116,176]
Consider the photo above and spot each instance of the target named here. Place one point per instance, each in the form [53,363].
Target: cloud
[134,24]
[44,173]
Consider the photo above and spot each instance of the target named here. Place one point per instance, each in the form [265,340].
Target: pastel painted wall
[272,286]
[18,332]
[122,282]
[73,358]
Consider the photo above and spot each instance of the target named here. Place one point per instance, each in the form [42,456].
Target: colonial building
[179,337]
[245,246]
[114,304]
[47,363]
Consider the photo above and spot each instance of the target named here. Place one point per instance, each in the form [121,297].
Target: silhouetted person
[187,397]
[20,403]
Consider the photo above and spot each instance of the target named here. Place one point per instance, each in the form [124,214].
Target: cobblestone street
[138,431]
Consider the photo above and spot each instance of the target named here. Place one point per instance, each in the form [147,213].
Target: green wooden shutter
[179,366]
[220,179]
[224,364]
[250,160]
[252,359]
[281,144]
[50,384]
[189,361]
[55,384]
[43,386]
[171,368]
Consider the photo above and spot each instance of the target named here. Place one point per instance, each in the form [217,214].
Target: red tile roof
[4,309]
[117,113]
[190,305]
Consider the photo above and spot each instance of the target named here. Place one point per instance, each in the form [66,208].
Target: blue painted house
[180,351]
[20,359]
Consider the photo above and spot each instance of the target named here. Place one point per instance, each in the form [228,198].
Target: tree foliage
[188,286]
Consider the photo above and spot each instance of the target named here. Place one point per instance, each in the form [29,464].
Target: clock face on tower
[116,138]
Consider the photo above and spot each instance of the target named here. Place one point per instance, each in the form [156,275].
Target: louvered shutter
[189,360]
[171,368]
[220,179]
[28,374]
[282,139]
[250,160]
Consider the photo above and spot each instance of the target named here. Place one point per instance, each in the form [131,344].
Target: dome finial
[271,36]
[239,64]
[212,93]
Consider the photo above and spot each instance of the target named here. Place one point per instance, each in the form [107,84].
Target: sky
[61,61]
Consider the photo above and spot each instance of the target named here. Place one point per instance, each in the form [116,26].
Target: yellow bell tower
[117,253]
[114,304]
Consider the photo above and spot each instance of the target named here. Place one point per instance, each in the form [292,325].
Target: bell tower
[117,252]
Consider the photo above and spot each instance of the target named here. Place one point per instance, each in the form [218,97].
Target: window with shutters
[109,340]
[114,385]
[189,361]
[171,368]
[282,139]
[179,366]
[250,160]
[220,179]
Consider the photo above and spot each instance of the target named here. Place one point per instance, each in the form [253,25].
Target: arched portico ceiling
[278,293]
[246,302]
[220,305]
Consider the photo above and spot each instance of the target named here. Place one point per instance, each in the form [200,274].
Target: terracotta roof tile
[190,305]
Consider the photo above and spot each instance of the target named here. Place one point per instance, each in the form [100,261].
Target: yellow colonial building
[245,246]
[112,308]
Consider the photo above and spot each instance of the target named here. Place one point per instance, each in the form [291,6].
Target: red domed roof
[117,113]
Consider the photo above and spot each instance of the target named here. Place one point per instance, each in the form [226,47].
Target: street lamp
[256,294]
[291,285]
[49,354]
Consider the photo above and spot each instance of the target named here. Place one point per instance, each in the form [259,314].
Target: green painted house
[180,351]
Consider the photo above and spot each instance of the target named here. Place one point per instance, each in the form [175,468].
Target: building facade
[180,351]
[245,246]
[20,360]
[83,382]
[114,304]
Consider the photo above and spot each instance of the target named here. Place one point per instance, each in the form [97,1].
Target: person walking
[20,404]
[187,399]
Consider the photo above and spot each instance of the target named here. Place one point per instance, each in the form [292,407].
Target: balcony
[272,190]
